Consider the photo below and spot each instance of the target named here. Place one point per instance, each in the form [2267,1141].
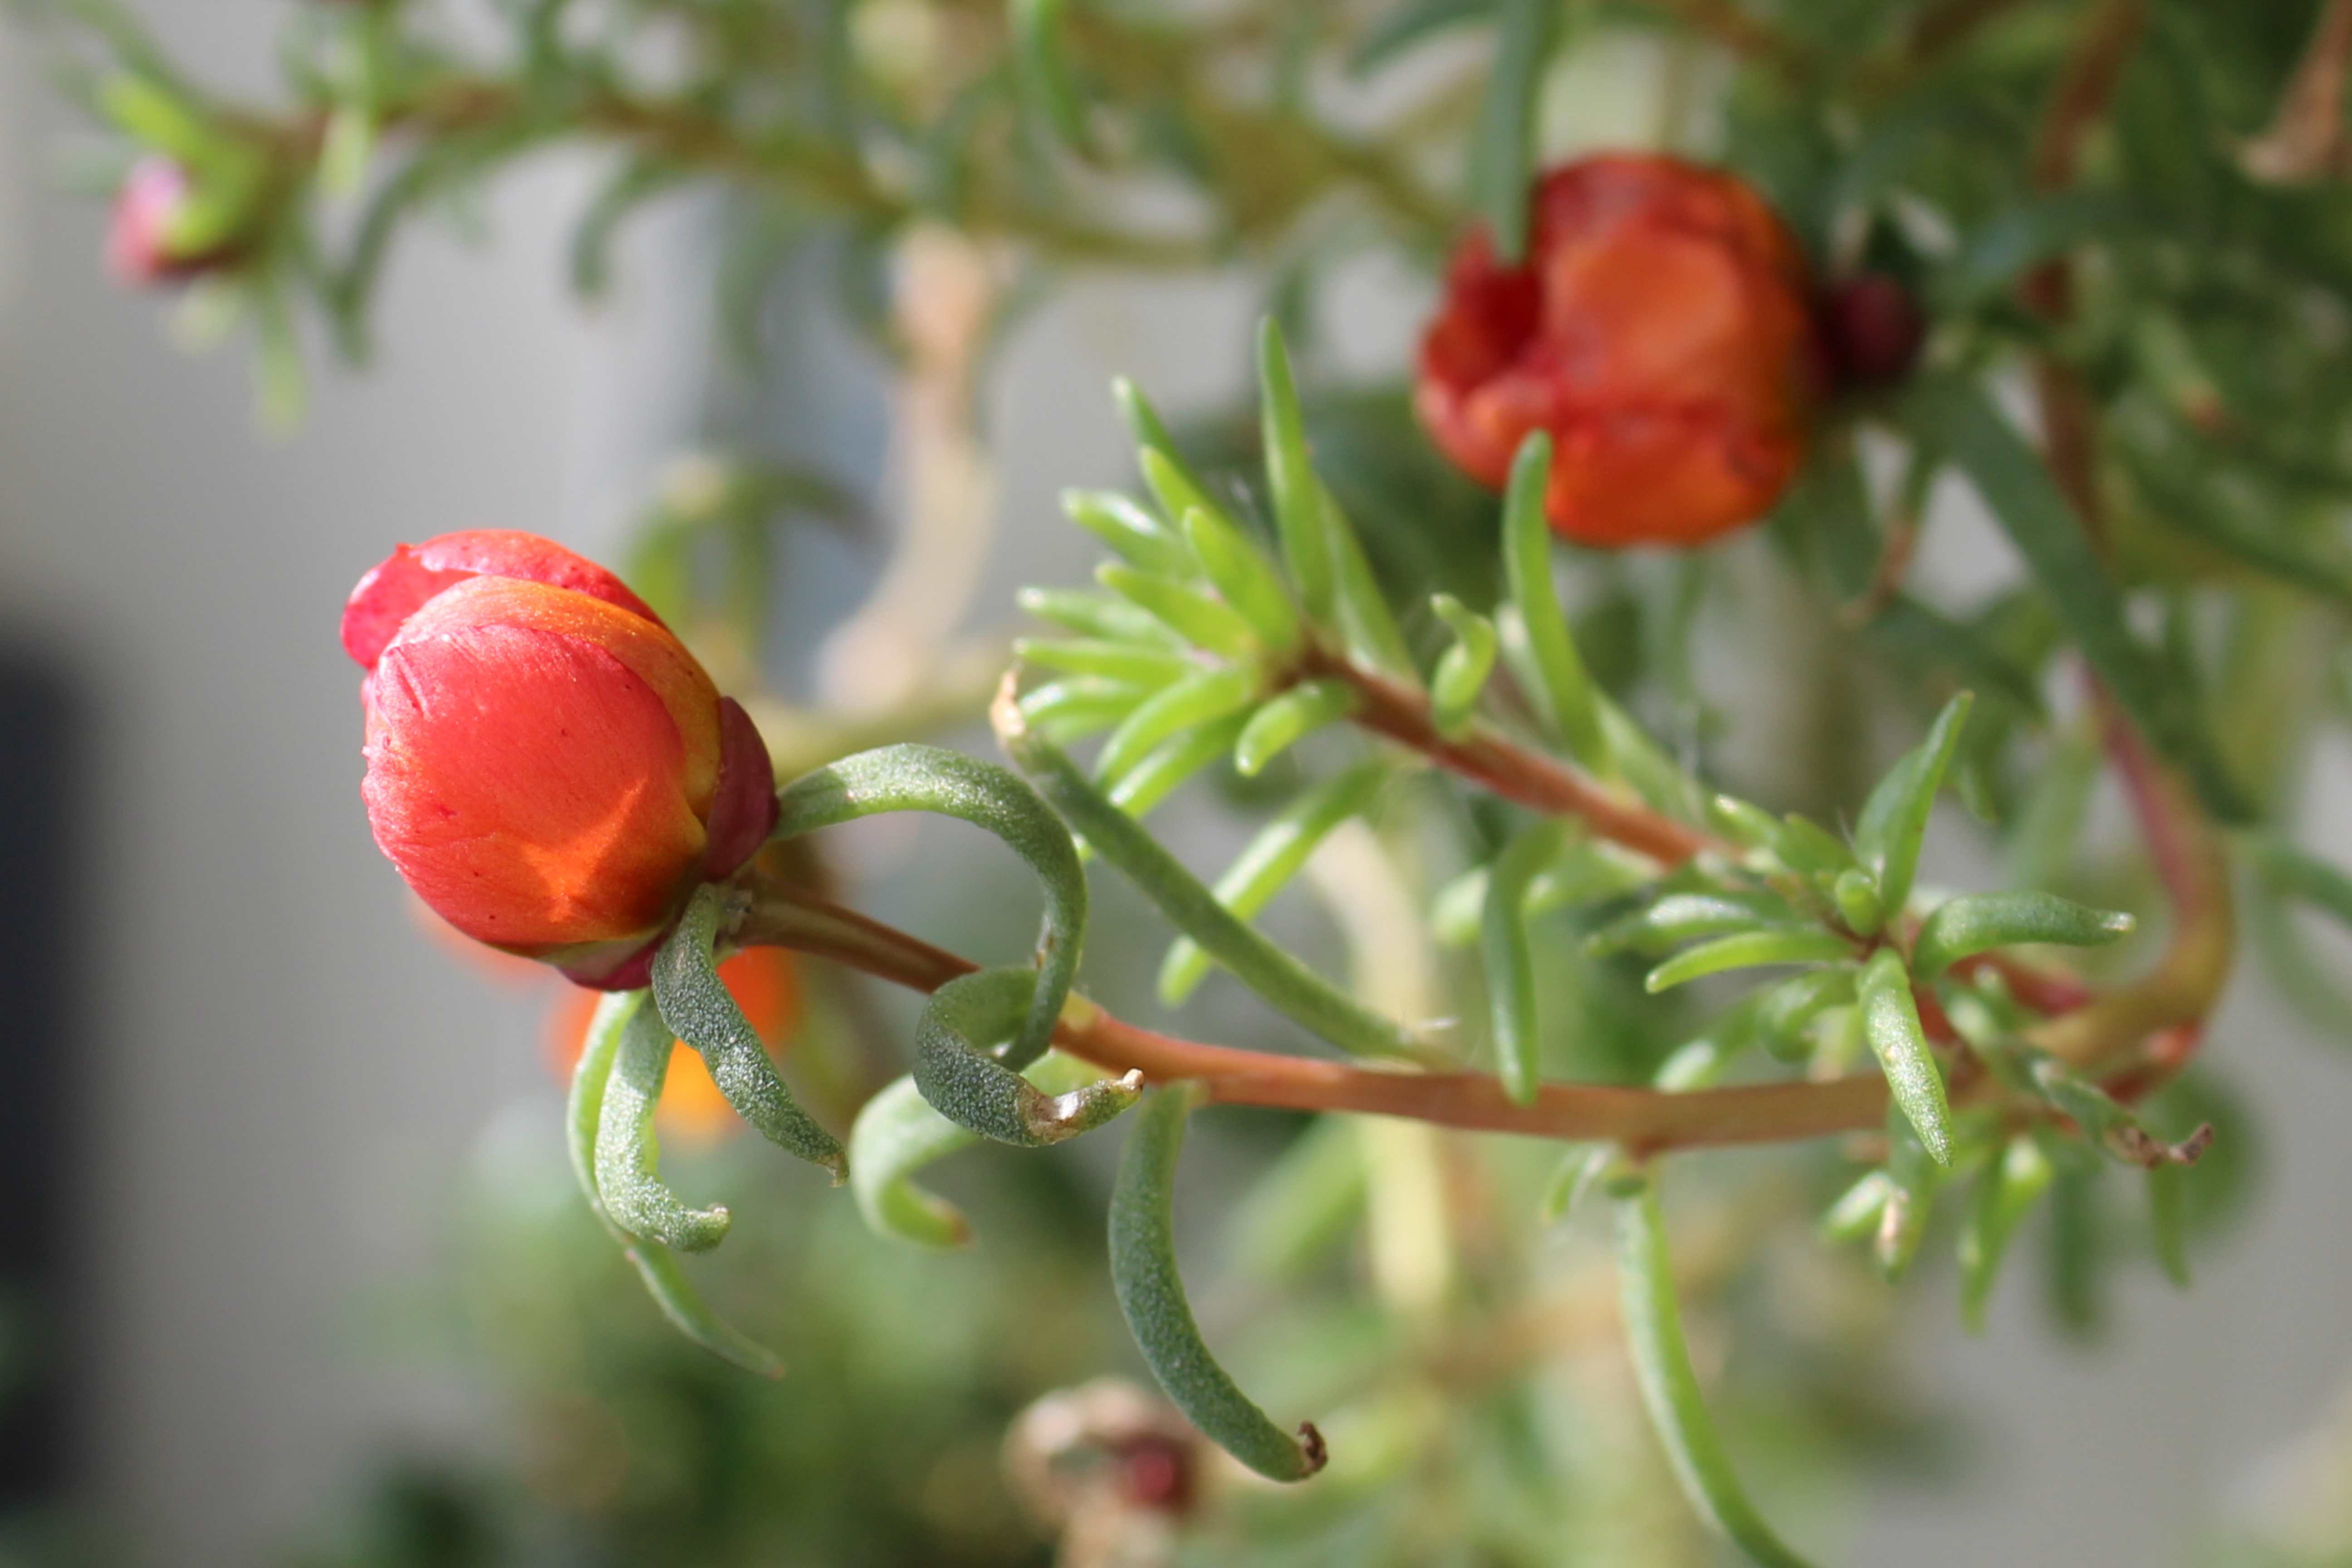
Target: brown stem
[1513,772]
[1645,1120]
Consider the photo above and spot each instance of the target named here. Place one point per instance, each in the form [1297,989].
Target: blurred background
[288,1170]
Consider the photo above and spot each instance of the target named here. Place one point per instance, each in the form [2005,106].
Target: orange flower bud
[547,764]
[1660,330]
[764,982]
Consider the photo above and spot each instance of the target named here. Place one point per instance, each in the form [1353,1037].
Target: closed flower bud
[1659,330]
[1872,327]
[156,235]
[547,766]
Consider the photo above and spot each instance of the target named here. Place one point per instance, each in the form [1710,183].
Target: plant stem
[1513,772]
[1646,1120]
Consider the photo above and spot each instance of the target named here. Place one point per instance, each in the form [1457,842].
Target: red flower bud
[142,243]
[547,766]
[1660,331]
[1872,327]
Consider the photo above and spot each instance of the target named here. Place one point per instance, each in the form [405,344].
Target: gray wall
[285,1065]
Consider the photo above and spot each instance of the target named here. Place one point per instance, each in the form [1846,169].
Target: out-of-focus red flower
[1660,330]
[547,764]
[764,982]
[147,239]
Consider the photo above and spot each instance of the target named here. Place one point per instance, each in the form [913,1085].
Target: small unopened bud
[145,243]
[1872,327]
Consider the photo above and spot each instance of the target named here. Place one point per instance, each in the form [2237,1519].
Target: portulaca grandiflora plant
[1439,635]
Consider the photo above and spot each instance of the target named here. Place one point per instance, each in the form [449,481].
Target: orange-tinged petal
[400,584]
[647,649]
[530,785]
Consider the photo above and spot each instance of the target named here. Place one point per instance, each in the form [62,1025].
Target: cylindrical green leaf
[933,779]
[1200,698]
[1566,689]
[1890,1020]
[1785,1011]
[698,1009]
[1147,667]
[1675,917]
[1463,669]
[1271,859]
[1287,720]
[1510,967]
[2011,1184]
[655,1264]
[1093,615]
[1287,985]
[1894,821]
[1244,578]
[1670,1390]
[1857,901]
[898,1135]
[960,1066]
[1152,1297]
[1979,922]
[1151,781]
[1203,622]
[1914,1178]
[1749,950]
[1172,481]
[1290,475]
[1133,534]
[628,1178]
[1079,705]
[1366,623]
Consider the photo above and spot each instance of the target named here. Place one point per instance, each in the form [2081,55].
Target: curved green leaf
[1677,1406]
[1890,1020]
[1152,1297]
[1287,985]
[628,1179]
[1749,950]
[1284,721]
[698,1009]
[1200,698]
[962,1072]
[1675,917]
[1510,967]
[933,779]
[2006,1193]
[1203,621]
[1080,705]
[1152,780]
[1242,577]
[1563,685]
[1147,667]
[1133,534]
[1092,614]
[1979,922]
[898,1133]
[1463,669]
[1299,497]
[655,1264]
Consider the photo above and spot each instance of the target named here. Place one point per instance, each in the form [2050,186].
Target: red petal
[529,787]
[400,585]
